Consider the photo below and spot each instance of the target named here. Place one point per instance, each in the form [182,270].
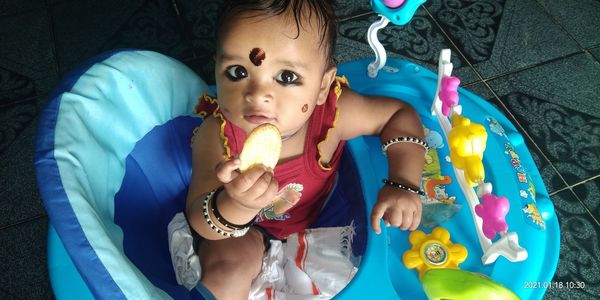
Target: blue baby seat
[113,165]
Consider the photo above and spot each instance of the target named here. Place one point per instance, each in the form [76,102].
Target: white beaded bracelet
[404,139]
[226,233]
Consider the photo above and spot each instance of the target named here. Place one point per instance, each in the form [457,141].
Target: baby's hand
[253,189]
[398,208]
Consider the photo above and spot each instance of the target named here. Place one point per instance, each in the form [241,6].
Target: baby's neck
[292,144]
[289,136]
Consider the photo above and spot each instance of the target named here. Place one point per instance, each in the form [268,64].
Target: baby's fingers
[416,219]
[248,182]
[264,187]
[227,170]
[255,188]
[376,215]
[407,219]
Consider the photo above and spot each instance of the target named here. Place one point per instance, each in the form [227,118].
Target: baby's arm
[243,194]
[389,118]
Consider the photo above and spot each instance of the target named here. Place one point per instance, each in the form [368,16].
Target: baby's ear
[328,78]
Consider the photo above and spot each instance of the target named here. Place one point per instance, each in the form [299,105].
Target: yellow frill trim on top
[218,115]
[340,81]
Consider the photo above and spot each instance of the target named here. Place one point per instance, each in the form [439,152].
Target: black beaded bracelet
[220,218]
[404,187]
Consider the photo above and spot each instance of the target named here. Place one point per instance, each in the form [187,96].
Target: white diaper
[314,264]
[186,263]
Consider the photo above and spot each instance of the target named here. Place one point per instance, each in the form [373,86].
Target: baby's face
[264,74]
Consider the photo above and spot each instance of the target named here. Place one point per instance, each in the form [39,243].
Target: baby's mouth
[258,118]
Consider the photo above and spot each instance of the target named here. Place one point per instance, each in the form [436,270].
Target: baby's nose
[258,92]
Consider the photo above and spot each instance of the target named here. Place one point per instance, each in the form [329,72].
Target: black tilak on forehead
[257,55]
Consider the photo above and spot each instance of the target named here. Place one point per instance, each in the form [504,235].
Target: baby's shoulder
[211,123]
[349,98]
[208,132]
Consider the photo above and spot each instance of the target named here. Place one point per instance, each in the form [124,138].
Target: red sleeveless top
[304,177]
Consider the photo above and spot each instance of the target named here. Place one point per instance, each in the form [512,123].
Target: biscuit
[262,147]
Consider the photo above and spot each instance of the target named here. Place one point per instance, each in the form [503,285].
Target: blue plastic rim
[79,261]
[416,85]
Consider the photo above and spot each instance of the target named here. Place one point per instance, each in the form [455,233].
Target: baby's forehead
[278,28]
[305,20]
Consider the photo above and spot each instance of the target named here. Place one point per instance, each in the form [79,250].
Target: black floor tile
[349,50]
[589,194]
[596,53]
[43,88]
[200,24]
[350,8]
[26,45]
[23,263]
[204,67]
[19,195]
[14,88]
[81,28]
[501,36]
[483,91]
[579,259]
[419,41]
[578,17]
[154,26]
[13,7]
[14,118]
[53,2]
[557,104]
[552,180]
[16,93]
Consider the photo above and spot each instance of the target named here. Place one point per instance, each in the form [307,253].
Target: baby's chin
[247,127]
[241,122]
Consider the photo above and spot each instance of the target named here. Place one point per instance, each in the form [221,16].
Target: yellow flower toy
[433,251]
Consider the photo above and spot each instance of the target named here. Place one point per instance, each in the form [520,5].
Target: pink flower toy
[449,93]
[492,211]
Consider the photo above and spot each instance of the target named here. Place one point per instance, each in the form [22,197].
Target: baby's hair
[323,10]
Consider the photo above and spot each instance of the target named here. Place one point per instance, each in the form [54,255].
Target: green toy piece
[458,284]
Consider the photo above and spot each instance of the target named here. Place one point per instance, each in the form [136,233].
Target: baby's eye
[287,77]
[236,72]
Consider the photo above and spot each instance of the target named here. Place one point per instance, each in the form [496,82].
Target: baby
[274,64]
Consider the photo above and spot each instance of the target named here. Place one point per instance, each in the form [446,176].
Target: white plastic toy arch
[508,244]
